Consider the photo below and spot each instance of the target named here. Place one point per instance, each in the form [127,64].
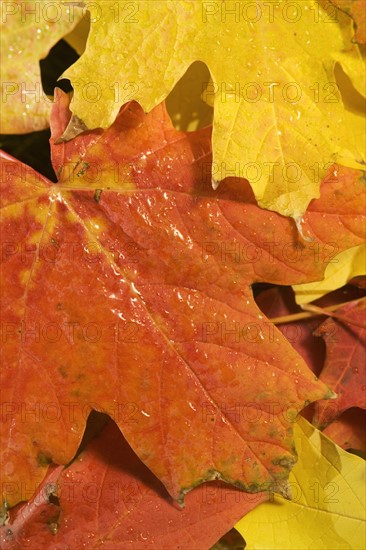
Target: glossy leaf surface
[344,369]
[341,269]
[28,31]
[279,119]
[123,296]
[108,498]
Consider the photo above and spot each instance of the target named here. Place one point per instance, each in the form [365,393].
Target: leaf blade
[329,507]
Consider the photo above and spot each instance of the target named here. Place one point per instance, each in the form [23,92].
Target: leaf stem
[315,311]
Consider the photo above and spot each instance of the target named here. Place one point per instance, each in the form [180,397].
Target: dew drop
[299,221]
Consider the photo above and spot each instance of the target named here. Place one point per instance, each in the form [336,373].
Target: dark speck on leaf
[97,195]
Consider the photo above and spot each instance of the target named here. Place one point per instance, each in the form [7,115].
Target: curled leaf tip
[74,128]
[299,220]
[215,184]
[283,488]
[332,395]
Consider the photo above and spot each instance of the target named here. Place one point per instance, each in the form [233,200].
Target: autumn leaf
[230,541]
[357,10]
[107,497]
[279,302]
[341,269]
[279,120]
[28,31]
[328,506]
[344,369]
[359,282]
[123,296]
[349,430]
[35,520]
[77,38]
[185,105]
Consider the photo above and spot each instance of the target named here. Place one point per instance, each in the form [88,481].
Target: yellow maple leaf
[78,37]
[328,501]
[28,30]
[341,269]
[278,116]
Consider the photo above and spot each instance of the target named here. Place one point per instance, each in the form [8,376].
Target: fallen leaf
[123,296]
[279,302]
[358,14]
[344,369]
[357,10]
[359,282]
[108,498]
[341,269]
[36,520]
[279,120]
[28,32]
[349,430]
[328,501]
[230,541]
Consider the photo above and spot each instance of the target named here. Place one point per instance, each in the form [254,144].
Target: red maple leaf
[108,497]
[128,292]
[345,364]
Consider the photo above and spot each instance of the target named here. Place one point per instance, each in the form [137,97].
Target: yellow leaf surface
[28,30]
[185,105]
[278,115]
[78,37]
[328,506]
[341,269]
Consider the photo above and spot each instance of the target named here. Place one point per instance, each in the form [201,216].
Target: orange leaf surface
[344,369]
[108,498]
[128,292]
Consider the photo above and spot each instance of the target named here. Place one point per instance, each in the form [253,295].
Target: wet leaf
[341,268]
[123,296]
[28,32]
[279,302]
[108,498]
[279,120]
[344,369]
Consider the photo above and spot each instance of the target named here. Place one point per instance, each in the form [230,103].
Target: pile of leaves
[182,275]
